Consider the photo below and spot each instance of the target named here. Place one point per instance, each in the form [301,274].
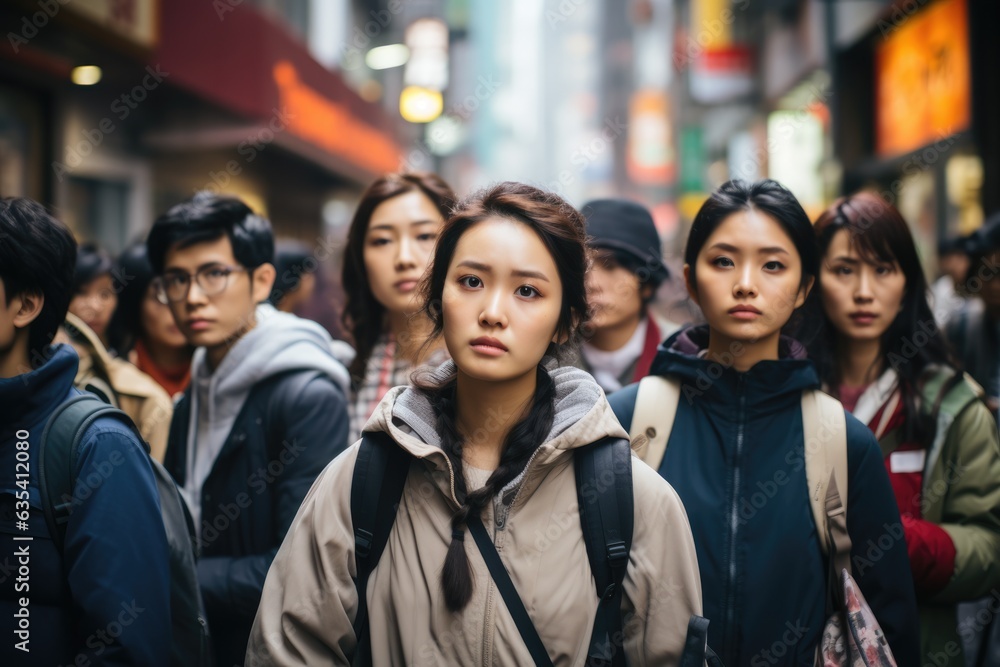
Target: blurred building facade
[238,97]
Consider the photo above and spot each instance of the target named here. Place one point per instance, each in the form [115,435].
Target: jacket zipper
[734,524]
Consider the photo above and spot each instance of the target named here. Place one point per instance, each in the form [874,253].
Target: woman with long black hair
[882,354]
[389,246]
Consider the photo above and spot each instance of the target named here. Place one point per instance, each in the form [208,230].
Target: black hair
[37,256]
[292,260]
[878,233]
[766,196]
[363,313]
[125,327]
[207,217]
[563,231]
[92,262]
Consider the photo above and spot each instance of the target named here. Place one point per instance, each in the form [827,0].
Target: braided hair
[562,230]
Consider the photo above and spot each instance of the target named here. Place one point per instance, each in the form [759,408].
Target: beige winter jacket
[309,599]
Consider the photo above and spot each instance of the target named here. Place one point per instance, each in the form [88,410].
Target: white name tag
[912,461]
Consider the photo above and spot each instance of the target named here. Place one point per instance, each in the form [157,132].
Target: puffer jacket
[736,457]
[104,598]
[309,599]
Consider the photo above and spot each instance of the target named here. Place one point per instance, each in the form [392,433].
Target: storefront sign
[650,142]
[923,81]
[329,125]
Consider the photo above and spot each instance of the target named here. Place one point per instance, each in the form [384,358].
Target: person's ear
[804,291]
[262,282]
[689,285]
[27,306]
[646,291]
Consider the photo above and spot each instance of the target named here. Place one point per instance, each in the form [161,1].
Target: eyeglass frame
[161,287]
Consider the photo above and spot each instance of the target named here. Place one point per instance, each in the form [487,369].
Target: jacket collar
[683,355]
[582,416]
[26,399]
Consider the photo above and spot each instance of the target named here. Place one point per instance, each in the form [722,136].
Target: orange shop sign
[922,78]
[331,126]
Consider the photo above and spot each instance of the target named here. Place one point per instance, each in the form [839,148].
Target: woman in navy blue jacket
[736,452]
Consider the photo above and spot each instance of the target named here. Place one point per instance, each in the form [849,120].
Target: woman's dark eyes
[527,291]
[470,281]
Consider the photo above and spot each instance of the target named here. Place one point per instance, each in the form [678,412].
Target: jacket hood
[279,343]
[27,398]
[683,355]
[582,416]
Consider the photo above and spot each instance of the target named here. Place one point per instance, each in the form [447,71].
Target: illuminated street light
[86,75]
[388,56]
[420,105]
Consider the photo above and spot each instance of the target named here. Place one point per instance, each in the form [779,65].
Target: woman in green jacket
[881,353]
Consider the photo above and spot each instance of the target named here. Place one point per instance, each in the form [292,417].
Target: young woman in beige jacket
[492,433]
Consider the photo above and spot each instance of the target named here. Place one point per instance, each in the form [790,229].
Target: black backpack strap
[509,592]
[57,456]
[607,518]
[696,650]
[379,475]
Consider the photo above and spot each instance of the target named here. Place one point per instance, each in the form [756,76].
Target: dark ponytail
[521,442]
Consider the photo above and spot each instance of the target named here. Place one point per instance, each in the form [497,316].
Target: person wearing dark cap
[974,331]
[627,268]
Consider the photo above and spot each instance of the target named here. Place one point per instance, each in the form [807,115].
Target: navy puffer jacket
[105,599]
[736,458]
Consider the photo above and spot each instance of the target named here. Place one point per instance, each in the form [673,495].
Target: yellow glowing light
[420,105]
[86,75]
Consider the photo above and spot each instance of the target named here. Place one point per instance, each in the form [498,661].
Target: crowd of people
[498,346]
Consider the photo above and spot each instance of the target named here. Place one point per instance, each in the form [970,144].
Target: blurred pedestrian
[974,331]
[266,409]
[95,290]
[626,270]
[142,328]
[736,451]
[884,357]
[504,423]
[295,275]
[100,371]
[389,246]
[953,264]
[103,598]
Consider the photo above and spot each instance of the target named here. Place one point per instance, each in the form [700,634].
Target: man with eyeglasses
[266,409]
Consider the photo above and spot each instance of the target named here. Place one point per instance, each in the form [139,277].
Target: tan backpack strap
[824,427]
[653,417]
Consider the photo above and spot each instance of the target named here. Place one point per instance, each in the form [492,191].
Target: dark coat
[290,426]
[106,598]
[736,458]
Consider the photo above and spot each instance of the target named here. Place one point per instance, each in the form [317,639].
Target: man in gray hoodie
[266,409]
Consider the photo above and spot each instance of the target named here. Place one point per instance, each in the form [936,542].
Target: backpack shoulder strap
[57,457]
[376,488]
[824,426]
[607,516]
[653,417]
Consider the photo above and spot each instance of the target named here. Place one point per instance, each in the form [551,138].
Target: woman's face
[501,301]
[95,302]
[157,322]
[861,298]
[748,278]
[398,247]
